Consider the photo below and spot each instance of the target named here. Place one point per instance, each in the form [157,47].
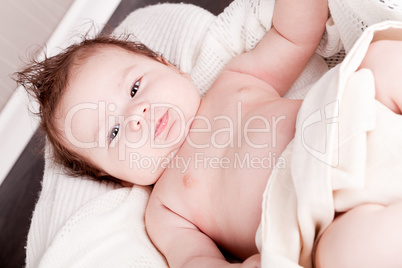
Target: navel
[244,90]
[187,181]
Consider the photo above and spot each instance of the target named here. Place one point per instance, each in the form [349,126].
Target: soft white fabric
[72,224]
[346,152]
[68,206]
[353,17]
[203,48]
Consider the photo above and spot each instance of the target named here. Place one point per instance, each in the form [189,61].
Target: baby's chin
[148,176]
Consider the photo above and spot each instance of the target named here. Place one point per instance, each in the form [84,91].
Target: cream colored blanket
[346,152]
[81,223]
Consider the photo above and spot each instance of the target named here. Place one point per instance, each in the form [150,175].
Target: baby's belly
[237,210]
[222,193]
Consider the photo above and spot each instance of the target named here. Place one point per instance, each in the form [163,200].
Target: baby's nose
[137,115]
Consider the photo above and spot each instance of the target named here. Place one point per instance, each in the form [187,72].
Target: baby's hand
[252,262]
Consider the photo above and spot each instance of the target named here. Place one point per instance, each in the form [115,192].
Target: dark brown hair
[47,80]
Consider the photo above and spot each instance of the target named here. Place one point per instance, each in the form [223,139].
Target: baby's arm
[282,54]
[181,242]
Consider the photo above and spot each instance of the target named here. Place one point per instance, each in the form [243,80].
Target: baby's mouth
[161,125]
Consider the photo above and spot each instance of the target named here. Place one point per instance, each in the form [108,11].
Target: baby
[114,109]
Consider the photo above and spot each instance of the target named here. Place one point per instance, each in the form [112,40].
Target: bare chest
[217,179]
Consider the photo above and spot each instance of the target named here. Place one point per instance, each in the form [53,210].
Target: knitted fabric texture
[72,214]
[353,17]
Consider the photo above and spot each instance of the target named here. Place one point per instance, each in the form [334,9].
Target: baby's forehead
[100,58]
[89,78]
[87,54]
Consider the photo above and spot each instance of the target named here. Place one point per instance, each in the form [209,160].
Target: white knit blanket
[81,223]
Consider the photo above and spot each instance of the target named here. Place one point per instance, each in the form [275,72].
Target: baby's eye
[135,88]
[113,133]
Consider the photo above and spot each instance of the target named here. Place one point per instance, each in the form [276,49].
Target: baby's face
[128,114]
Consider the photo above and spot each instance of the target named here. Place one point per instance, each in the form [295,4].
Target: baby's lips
[161,124]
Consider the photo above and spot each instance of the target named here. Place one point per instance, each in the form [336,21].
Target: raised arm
[282,54]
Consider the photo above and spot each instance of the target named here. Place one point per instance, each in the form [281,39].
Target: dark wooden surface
[18,194]
[126,6]
[21,187]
